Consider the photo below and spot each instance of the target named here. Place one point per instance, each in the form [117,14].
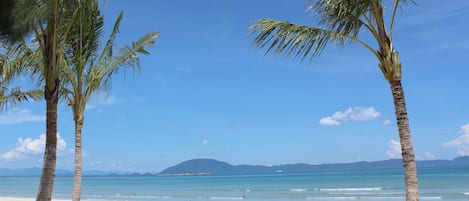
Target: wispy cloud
[205,141]
[387,122]
[429,156]
[351,114]
[462,142]
[102,100]
[28,147]
[18,116]
[394,150]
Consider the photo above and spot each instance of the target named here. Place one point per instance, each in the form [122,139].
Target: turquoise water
[450,184]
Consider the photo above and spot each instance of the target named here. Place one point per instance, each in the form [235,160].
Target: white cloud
[462,142]
[29,146]
[387,122]
[17,116]
[102,100]
[394,150]
[205,141]
[351,114]
[328,121]
[106,100]
[429,156]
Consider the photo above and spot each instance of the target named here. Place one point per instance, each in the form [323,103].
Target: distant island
[36,171]
[206,167]
[214,167]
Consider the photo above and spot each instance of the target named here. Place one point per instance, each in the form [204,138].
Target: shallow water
[450,184]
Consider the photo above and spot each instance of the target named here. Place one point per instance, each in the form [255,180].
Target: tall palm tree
[86,72]
[340,22]
[50,24]
[48,39]
[51,30]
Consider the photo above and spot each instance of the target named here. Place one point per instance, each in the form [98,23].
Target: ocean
[447,184]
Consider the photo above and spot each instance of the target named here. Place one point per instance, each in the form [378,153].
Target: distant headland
[215,167]
[206,167]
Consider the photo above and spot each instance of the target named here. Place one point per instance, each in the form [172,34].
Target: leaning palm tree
[85,72]
[341,22]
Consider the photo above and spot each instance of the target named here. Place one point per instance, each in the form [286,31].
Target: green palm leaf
[16,96]
[127,56]
[297,41]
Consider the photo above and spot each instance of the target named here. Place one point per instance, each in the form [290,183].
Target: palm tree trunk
[78,161]
[51,94]
[408,158]
[50,155]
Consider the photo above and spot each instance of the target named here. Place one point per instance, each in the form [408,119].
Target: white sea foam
[240,190]
[331,198]
[465,193]
[431,198]
[226,198]
[356,198]
[369,198]
[364,193]
[143,196]
[298,189]
[351,189]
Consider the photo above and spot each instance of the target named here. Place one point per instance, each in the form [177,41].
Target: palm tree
[51,25]
[340,23]
[85,72]
[48,39]
[51,33]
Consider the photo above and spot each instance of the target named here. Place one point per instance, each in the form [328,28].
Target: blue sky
[205,92]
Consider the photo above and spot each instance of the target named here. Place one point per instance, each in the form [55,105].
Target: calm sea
[450,184]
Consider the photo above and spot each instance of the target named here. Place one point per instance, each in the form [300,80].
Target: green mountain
[197,166]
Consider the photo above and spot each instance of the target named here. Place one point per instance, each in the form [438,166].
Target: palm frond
[294,40]
[397,5]
[127,56]
[107,52]
[18,59]
[342,16]
[81,48]
[93,81]
[16,96]
[86,32]
[68,79]
[85,72]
